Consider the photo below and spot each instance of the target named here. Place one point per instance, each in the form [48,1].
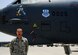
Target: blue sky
[4,3]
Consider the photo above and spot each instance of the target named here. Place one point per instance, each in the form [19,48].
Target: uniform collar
[18,40]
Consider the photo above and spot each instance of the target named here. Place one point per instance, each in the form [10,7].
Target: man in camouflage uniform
[19,46]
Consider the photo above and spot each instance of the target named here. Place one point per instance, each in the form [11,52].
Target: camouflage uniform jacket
[19,47]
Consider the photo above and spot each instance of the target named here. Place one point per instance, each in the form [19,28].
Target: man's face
[19,32]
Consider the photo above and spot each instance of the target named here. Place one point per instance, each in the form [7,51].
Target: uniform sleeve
[11,48]
[26,48]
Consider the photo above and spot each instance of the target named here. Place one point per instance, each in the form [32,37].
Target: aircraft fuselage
[50,23]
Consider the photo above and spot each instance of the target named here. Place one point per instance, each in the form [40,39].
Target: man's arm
[11,48]
[26,48]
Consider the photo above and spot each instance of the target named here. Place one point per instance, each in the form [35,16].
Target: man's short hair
[19,29]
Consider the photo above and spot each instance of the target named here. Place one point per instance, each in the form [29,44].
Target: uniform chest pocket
[15,45]
[23,45]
